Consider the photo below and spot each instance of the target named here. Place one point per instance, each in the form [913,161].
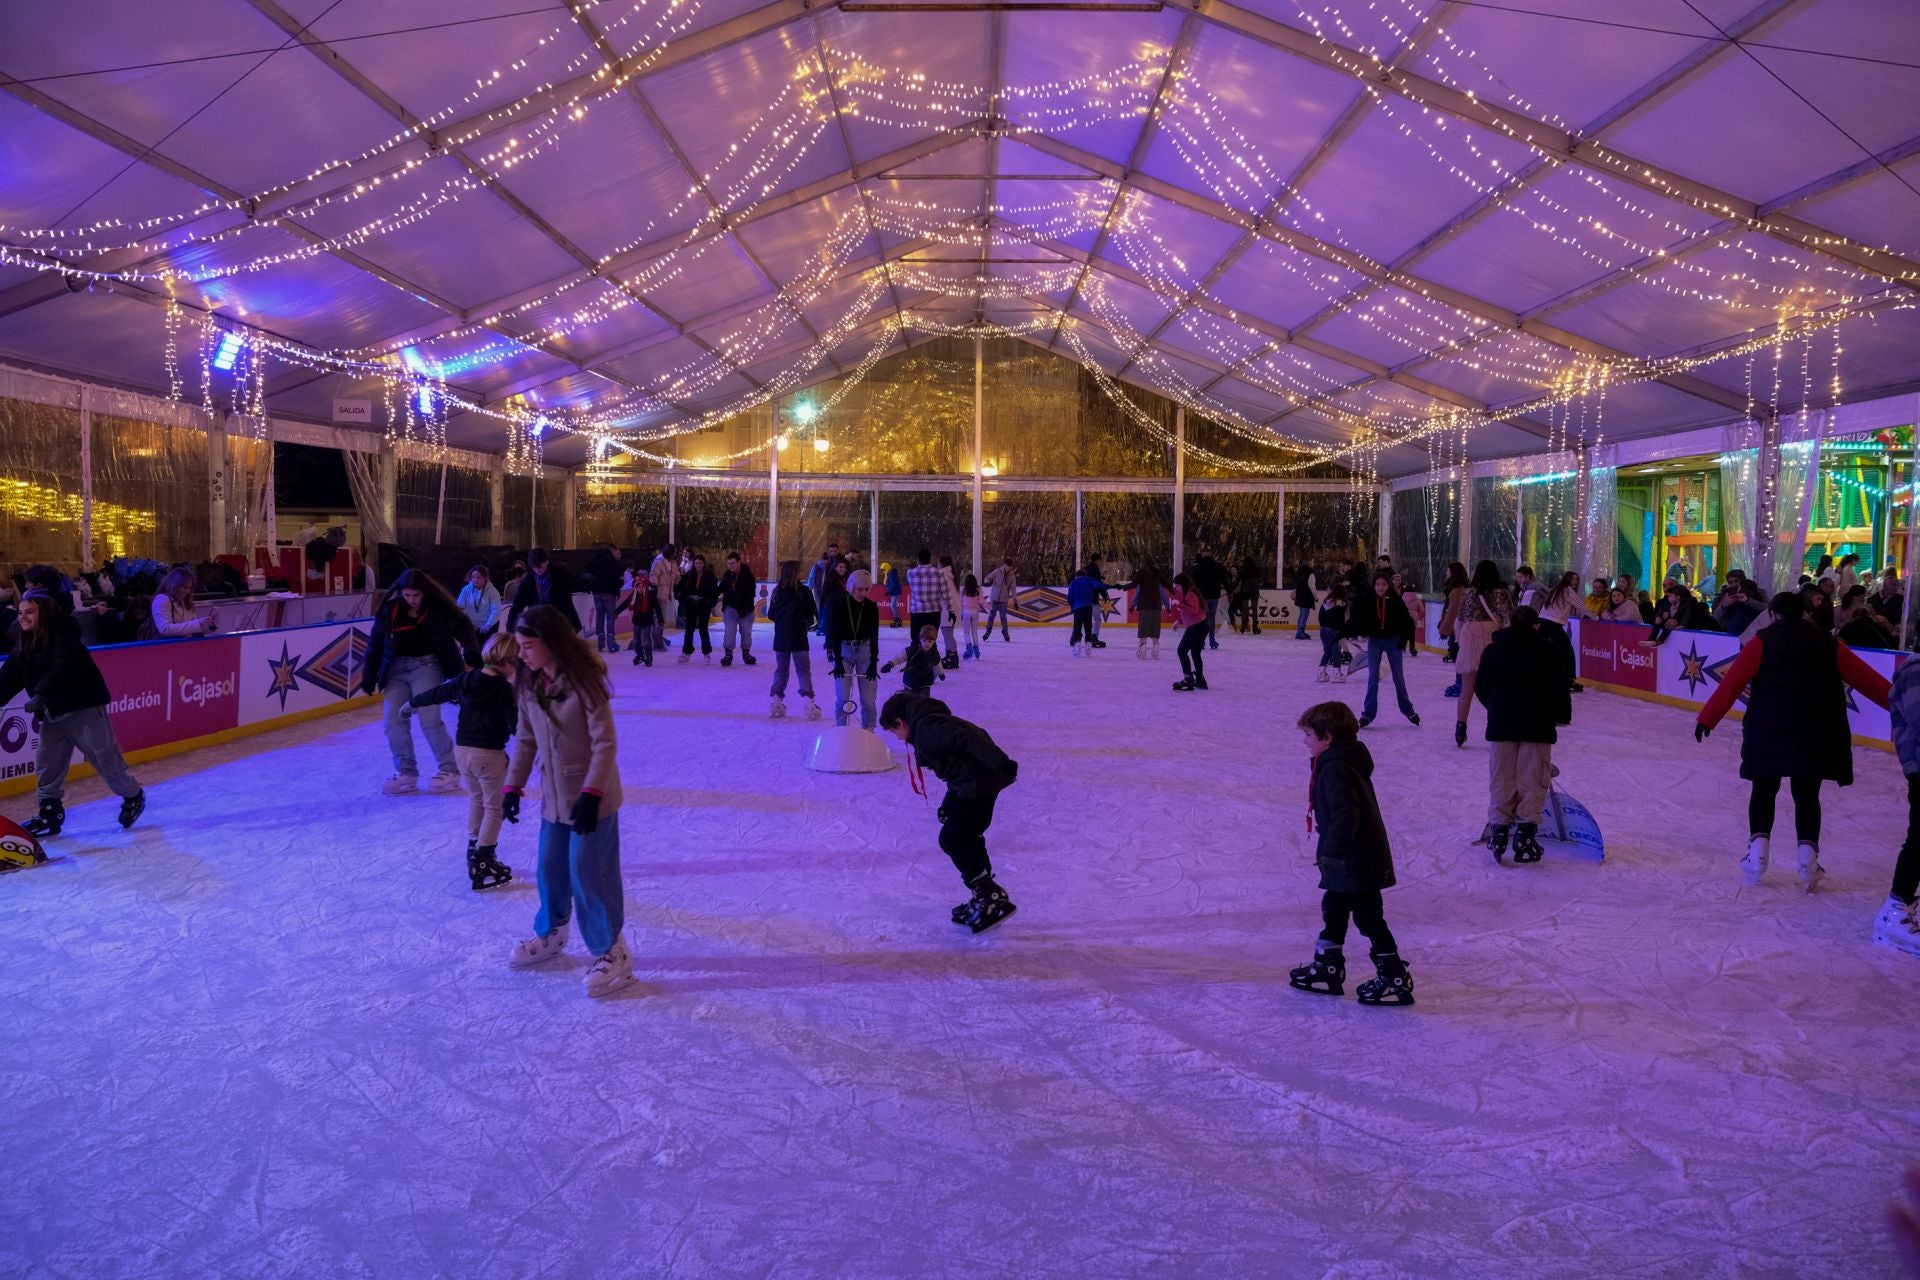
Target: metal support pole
[1464,533]
[86,476]
[673,503]
[1179,488]
[270,500]
[979,409]
[440,508]
[1520,525]
[1383,501]
[1582,522]
[497,501]
[1809,491]
[570,510]
[1913,544]
[873,536]
[1280,537]
[533,512]
[1078,559]
[216,487]
[771,568]
[1766,515]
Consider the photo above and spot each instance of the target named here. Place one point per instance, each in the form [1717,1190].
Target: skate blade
[1388,1002]
[1318,991]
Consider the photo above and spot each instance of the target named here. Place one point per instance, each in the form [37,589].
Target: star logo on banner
[1717,672]
[285,678]
[1693,668]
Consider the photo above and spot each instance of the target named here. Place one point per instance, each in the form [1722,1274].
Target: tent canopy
[1327,221]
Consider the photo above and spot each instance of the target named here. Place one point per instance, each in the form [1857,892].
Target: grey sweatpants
[89,732]
[1520,774]
[734,622]
[801,661]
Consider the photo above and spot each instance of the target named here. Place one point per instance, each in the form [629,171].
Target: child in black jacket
[921,664]
[487,716]
[1354,859]
[976,771]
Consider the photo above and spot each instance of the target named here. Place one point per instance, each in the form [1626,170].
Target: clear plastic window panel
[416,502]
[1236,527]
[1324,528]
[1496,507]
[247,474]
[1044,415]
[151,491]
[940,522]
[516,512]
[632,517]
[713,520]
[912,415]
[1126,530]
[1547,523]
[1034,528]
[810,519]
[1425,528]
[39,486]
[549,511]
[1239,444]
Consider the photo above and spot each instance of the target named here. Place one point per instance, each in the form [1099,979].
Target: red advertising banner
[166,692]
[1612,653]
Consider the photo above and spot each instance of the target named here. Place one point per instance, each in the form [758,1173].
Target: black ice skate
[1200,682]
[749,659]
[1326,974]
[989,907]
[1495,838]
[485,870]
[132,807]
[1392,985]
[1183,685]
[52,816]
[1526,847]
[965,909]
[726,659]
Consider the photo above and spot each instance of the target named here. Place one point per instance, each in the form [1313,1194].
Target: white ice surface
[271,1031]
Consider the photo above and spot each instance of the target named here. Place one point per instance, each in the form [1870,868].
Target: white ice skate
[1340,675]
[1895,927]
[1156,648]
[685,658]
[1811,872]
[813,709]
[778,710]
[1755,863]
[1086,648]
[401,784]
[536,950]
[1323,677]
[1141,651]
[611,971]
[444,783]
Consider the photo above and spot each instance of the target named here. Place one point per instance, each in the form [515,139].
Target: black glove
[36,707]
[1700,732]
[586,813]
[839,670]
[510,806]
[1013,771]
[940,814]
[871,673]
[886,666]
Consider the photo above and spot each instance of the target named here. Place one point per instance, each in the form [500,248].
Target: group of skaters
[531,687]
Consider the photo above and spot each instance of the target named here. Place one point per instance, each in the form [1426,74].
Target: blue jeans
[406,677]
[855,657]
[1387,647]
[581,875]
[1301,634]
[603,622]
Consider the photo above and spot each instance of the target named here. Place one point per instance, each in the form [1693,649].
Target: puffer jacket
[575,745]
[792,612]
[960,753]
[1353,854]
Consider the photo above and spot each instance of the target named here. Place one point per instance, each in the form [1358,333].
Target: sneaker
[1895,927]
[611,971]
[401,784]
[1755,863]
[444,783]
[537,950]
[778,710]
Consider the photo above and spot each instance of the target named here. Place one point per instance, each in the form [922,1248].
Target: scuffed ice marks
[271,1032]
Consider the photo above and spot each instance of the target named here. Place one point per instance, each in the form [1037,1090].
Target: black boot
[1459,733]
[748,658]
[132,807]
[1393,985]
[1183,685]
[1526,844]
[485,870]
[989,907]
[1326,973]
[1496,840]
[1199,682]
[726,659]
[52,816]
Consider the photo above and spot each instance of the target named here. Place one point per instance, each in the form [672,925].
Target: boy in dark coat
[1355,860]
[545,583]
[1525,684]
[976,771]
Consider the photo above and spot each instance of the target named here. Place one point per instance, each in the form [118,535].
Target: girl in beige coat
[566,721]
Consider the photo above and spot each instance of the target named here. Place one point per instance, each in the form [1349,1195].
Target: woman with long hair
[1561,602]
[68,696]
[421,639]
[791,610]
[173,614]
[566,723]
[1795,676]
[1485,606]
[1190,612]
[1453,590]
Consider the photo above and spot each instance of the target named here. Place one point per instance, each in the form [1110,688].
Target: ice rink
[271,1031]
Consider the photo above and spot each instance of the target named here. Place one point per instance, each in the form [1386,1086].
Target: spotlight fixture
[229,352]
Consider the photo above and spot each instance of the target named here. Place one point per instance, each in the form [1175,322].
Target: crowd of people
[529,679]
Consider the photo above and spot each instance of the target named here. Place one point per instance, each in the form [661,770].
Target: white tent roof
[1323,219]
